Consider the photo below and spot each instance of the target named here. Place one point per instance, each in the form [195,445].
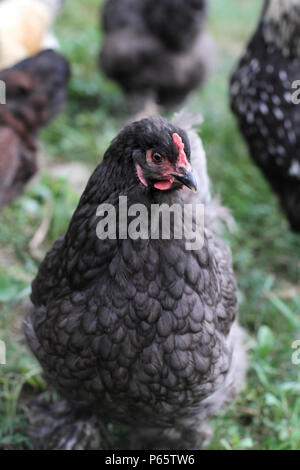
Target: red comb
[182,160]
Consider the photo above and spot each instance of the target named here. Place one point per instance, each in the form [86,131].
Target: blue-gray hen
[141,332]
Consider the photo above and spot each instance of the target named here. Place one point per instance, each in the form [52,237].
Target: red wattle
[164,185]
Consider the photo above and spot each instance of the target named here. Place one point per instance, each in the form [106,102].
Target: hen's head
[156,154]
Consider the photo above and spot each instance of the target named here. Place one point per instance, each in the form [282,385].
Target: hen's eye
[157,158]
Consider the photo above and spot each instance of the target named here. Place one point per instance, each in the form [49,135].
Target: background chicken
[139,332]
[25,28]
[35,93]
[156,51]
[261,98]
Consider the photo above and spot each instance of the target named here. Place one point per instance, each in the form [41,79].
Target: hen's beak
[187,178]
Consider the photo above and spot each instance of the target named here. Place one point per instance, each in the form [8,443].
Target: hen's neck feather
[281,25]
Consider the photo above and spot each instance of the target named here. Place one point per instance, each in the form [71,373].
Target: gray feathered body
[140,332]
[156,50]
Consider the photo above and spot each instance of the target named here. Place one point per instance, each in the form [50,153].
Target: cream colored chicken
[25,28]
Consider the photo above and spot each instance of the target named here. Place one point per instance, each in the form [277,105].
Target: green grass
[266,253]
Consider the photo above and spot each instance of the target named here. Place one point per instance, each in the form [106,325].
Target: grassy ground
[266,253]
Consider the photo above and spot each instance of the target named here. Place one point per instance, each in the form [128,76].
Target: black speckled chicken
[263,98]
[141,332]
[156,51]
[35,93]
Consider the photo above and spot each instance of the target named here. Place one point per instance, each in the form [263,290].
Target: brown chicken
[35,93]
